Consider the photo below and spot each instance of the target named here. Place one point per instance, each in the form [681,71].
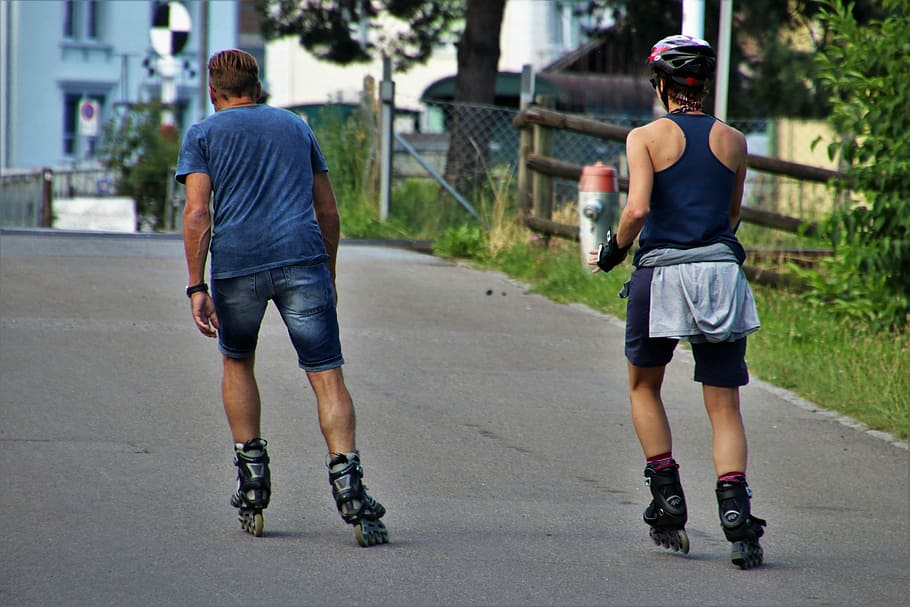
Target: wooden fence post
[525,145]
[525,148]
[543,145]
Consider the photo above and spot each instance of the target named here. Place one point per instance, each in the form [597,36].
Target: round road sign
[170,28]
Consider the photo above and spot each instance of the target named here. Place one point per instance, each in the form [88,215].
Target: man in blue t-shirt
[273,229]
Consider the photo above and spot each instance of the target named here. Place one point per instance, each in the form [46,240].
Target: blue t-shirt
[690,199]
[261,161]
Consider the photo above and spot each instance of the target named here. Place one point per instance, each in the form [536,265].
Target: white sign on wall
[89,117]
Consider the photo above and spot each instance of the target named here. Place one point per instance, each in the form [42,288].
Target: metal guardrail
[25,198]
[27,195]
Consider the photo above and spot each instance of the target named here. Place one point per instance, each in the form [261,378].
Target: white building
[60,56]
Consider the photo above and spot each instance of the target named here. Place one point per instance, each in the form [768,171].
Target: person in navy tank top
[258,197]
[686,176]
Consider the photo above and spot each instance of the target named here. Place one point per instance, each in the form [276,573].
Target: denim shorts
[305,299]
[716,364]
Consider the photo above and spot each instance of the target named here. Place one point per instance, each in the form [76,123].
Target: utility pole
[203,58]
[722,81]
[387,117]
[5,92]
[693,18]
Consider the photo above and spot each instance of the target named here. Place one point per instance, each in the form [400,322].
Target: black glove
[609,254]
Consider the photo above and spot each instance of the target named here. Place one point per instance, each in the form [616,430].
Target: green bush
[462,242]
[866,68]
[423,208]
[142,152]
[346,143]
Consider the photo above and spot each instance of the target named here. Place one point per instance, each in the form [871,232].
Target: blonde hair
[234,73]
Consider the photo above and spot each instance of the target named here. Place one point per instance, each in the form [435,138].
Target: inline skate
[667,515]
[354,504]
[740,527]
[254,487]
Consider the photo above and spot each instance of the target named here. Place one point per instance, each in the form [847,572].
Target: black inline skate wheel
[676,540]
[747,554]
[252,522]
[683,541]
[371,533]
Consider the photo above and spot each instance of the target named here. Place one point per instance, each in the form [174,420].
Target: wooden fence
[536,167]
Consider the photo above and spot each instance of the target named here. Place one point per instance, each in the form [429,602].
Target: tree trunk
[475,85]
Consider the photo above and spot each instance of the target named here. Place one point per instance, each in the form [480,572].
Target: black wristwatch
[200,288]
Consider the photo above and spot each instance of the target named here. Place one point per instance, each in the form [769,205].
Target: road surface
[493,423]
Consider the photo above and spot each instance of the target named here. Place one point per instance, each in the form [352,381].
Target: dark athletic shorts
[716,364]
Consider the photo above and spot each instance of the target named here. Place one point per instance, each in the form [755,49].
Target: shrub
[141,152]
[866,68]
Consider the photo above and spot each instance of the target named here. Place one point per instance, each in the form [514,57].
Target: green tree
[778,41]
[338,30]
[866,68]
[142,152]
[475,84]
[773,50]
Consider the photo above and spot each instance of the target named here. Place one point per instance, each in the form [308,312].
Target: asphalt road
[494,426]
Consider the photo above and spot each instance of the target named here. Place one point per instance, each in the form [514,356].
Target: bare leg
[336,410]
[241,398]
[727,431]
[648,414]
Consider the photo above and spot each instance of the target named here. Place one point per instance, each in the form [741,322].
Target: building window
[70,115]
[91,19]
[81,19]
[69,19]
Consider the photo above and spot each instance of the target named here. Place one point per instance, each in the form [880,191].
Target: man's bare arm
[326,209]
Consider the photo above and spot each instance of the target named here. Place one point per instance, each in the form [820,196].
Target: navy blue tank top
[690,199]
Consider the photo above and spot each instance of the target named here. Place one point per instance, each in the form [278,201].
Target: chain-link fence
[491,139]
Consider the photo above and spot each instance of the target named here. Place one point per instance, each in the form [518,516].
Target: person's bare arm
[638,203]
[326,209]
[197,234]
[641,180]
[736,200]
